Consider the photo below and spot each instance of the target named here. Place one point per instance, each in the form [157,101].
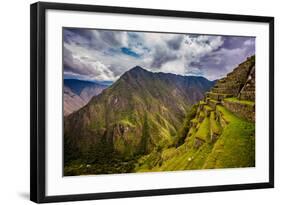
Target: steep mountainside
[139,113]
[78,93]
[222,133]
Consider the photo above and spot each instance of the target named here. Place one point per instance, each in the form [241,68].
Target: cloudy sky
[104,55]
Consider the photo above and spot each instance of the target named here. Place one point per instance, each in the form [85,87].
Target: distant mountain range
[78,93]
[140,112]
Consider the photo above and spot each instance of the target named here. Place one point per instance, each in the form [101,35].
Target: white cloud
[176,67]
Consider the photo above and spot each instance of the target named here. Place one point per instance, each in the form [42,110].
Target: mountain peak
[137,69]
[136,72]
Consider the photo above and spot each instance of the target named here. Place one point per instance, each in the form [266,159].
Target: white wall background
[14,100]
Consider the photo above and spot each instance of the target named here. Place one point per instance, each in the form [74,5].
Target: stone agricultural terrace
[236,91]
[231,99]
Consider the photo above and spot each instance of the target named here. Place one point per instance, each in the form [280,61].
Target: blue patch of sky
[129,52]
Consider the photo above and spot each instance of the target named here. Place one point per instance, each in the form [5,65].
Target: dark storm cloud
[112,38]
[75,65]
[234,42]
[233,51]
[162,56]
[80,37]
[105,55]
[213,62]
[176,42]
[94,39]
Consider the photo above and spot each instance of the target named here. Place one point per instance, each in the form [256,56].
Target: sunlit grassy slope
[234,148]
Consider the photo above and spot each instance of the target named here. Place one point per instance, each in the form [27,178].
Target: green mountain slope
[222,134]
[141,113]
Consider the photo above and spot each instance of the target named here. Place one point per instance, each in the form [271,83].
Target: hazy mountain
[140,112]
[78,93]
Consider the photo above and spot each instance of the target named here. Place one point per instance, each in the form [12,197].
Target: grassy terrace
[202,102]
[234,148]
[207,107]
[203,132]
[235,100]
[236,145]
[215,126]
[214,101]
[194,120]
[214,95]
[201,114]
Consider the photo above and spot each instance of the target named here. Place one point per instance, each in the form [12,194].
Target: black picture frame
[38,100]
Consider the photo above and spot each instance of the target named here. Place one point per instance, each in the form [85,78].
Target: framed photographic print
[129,102]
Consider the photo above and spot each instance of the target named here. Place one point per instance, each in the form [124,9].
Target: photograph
[143,101]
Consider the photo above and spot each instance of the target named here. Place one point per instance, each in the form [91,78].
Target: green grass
[127,123]
[202,102]
[190,140]
[236,145]
[201,114]
[194,120]
[207,107]
[235,100]
[199,157]
[214,101]
[215,126]
[97,125]
[203,132]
